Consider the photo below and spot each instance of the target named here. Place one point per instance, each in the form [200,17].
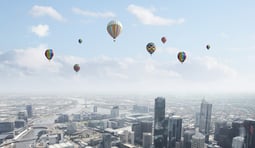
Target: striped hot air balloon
[49,54]
[114,28]
[181,56]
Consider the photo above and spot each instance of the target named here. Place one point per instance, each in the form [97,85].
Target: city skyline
[125,66]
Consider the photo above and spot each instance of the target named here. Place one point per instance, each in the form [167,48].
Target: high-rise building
[224,137]
[198,140]
[219,125]
[238,142]
[115,111]
[29,111]
[137,129]
[205,119]
[249,138]
[187,138]
[174,131]
[159,119]
[146,126]
[237,128]
[147,140]
[107,141]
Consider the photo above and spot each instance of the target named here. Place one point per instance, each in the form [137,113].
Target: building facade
[205,119]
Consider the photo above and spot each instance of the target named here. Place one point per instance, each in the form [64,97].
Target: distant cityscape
[126,122]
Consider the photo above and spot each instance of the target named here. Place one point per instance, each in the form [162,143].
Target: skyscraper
[146,126]
[29,111]
[198,140]
[137,129]
[219,125]
[159,119]
[187,138]
[174,131]
[249,139]
[205,119]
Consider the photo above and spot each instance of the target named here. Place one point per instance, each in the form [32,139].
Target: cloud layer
[147,17]
[38,11]
[22,69]
[93,14]
[40,30]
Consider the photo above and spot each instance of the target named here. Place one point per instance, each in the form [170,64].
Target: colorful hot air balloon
[114,28]
[49,54]
[208,47]
[151,47]
[76,67]
[80,41]
[163,40]
[181,56]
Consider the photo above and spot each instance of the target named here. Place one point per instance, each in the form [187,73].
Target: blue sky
[28,28]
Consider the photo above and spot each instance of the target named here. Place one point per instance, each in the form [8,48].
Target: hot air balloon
[76,67]
[151,47]
[49,54]
[80,41]
[114,28]
[181,56]
[208,47]
[163,40]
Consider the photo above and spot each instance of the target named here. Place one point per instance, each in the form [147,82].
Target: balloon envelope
[49,54]
[163,39]
[208,47]
[181,56]
[80,41]
[76,67]
[151,47]
[114,28]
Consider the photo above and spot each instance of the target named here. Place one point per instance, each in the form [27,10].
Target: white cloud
[40,30]
[93,14]
[147,17]
[46,11]
[22,69]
